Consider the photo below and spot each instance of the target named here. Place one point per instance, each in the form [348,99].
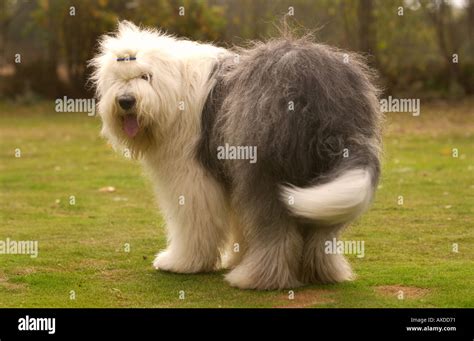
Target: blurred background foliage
[421,48]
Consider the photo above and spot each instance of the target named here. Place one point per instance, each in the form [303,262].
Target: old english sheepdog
[257,155]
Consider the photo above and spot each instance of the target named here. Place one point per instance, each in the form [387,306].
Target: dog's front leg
[195,216]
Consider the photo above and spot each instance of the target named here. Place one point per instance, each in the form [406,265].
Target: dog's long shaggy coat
[311,112]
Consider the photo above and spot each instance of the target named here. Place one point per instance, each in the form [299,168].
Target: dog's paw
[165,261]
[184,263]
[239,279]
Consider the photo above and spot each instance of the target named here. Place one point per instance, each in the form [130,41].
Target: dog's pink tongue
[130,125]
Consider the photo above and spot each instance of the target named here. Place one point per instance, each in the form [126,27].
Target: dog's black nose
[126,102]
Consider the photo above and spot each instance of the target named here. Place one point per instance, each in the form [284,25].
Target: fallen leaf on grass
[107,189]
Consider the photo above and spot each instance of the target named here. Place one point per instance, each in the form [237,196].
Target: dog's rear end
[312,112]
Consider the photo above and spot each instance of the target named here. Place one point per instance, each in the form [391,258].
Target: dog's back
[311,111]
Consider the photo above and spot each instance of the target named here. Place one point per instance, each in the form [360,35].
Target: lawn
[98,252]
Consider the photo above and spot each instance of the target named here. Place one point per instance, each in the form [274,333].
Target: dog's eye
[146,77]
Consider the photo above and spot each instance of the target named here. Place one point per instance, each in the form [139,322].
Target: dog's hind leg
[274,243]
[320,266]
[272,260]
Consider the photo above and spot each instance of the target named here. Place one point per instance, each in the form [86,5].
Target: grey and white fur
[311,111]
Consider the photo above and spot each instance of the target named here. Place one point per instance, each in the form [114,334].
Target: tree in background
[449,41]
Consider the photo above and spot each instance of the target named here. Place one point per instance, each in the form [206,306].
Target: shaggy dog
[258,156]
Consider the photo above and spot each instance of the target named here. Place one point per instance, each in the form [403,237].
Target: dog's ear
[126,26]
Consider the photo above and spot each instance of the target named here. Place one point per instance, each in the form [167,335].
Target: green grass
[81,246]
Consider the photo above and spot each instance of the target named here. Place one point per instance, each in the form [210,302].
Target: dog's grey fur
[335,108]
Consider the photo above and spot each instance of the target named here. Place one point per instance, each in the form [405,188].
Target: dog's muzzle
[130,125]
[129,119]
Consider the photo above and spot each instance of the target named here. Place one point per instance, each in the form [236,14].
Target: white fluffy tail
[336,202]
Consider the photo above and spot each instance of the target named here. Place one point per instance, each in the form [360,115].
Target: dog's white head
[137,77]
